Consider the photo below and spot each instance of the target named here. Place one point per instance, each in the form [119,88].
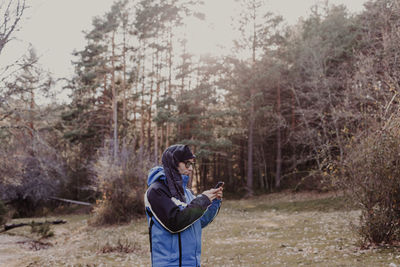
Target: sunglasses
[188,164]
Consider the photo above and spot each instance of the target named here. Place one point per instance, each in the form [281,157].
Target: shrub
[371,174]
[43,230]
[121,183]
[32,170]
[122,246]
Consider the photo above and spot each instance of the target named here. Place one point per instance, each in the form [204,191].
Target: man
[175,216]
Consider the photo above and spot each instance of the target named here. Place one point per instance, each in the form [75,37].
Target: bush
[125,246]
[371,174]
[31,171]
[121,182]
[42,230]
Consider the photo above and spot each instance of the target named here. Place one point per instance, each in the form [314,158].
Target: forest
[308,107]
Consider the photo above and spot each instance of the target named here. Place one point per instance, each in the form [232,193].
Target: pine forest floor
[283,229]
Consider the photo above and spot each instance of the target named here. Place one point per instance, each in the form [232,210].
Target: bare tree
[11,12]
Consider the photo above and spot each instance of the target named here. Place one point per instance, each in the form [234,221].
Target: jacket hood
[170,160]
[157,173]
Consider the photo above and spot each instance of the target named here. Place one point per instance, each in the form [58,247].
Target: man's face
[186,168]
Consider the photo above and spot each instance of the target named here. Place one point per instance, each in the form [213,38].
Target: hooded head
[170,161]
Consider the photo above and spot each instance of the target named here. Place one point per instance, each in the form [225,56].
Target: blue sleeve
[211,212]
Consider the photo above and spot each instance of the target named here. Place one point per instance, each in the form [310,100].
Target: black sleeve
[169,215]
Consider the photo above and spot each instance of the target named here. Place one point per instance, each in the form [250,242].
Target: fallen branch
[71,201]
[12,226]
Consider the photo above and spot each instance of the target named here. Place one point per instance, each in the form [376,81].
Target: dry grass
[274,230]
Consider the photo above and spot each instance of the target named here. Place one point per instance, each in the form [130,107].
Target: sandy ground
[11,249]
[245,233]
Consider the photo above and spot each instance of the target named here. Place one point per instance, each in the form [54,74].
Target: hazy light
[215,34]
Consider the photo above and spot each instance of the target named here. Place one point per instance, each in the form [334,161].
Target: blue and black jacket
[174,226]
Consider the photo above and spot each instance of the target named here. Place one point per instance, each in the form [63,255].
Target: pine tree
[256,29]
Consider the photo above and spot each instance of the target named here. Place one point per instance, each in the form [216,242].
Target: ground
[283,229]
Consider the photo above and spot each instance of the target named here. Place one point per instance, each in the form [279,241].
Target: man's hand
[220,193]
[213,193]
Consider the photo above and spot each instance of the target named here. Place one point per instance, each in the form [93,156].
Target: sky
[220,11]
[55,27]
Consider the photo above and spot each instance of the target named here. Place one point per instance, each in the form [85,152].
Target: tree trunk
[158,71]
[33,223]
[124,116]
[32,107]
[265,168]
[278,141]
[229,165]
[167,144]
[242,161]
[149,116]
[250,154]
[162,139]
[260,168]
[142,108]
[114,98]
[250,142]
